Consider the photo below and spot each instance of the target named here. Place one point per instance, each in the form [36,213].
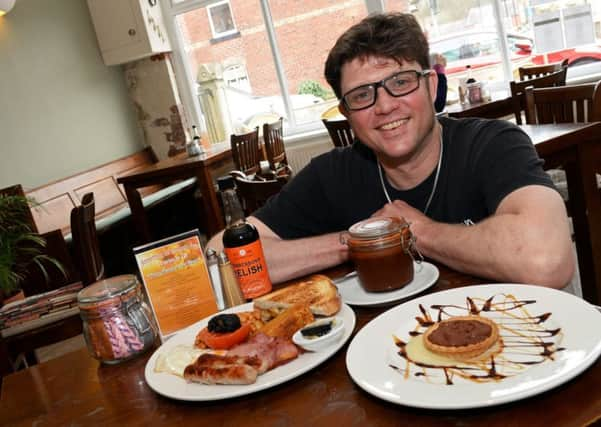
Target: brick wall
[305,30]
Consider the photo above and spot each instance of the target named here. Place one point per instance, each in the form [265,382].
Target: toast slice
[317,291]
[295,317]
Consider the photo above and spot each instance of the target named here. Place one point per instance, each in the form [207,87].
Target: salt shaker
[212,264]
[193,147]
[231,289]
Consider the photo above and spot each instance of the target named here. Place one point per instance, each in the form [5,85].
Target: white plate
[372,353]
[178,388]
[352,293]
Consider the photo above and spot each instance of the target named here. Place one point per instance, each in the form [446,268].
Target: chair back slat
[518,89]
[534,71]
[565,104]
[246,152]
[274,144]
[340,132]
[85,241]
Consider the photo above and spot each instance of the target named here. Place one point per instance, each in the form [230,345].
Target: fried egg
[175,360]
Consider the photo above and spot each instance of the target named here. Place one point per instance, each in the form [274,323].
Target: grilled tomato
[223,340]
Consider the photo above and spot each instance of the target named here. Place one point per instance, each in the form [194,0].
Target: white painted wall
[61,109]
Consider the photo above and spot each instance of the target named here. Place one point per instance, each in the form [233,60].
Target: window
[274,68]
[221,20]
[275,65]
[235,75]
[537,32]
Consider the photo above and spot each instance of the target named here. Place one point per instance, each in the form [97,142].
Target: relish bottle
[243,247]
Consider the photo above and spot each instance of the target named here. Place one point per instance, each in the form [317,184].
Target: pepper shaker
[231,289]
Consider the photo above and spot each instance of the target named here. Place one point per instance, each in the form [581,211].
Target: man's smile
[393,125]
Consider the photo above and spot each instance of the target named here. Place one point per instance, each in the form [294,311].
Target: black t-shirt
[483,161]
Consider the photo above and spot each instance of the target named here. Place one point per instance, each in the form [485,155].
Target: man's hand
[526,240]
[398,208]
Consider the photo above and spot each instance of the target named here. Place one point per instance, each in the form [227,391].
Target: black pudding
[317,330]
[223,323]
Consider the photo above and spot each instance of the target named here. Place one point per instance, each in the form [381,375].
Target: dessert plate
[425,275]
[177,388]
[543,345]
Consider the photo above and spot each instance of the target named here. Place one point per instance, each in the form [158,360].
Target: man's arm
[287,259]
[527,240]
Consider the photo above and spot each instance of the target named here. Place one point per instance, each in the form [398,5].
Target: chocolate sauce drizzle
[524,341]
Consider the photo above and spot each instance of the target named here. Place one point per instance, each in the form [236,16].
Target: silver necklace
[433,186]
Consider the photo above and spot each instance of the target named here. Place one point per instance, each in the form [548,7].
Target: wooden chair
[253,194]
[534,71]
[85,241]
[274,147]
[91,269]
[246,152]
[518,90]
[21,346]
[340,132]
[566,104]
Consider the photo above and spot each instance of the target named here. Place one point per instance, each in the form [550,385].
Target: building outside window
[281,46]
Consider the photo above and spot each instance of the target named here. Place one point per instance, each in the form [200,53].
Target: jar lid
[107,289]
[376,227]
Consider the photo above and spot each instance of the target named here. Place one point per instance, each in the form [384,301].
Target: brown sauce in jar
[383,269]
[379,248]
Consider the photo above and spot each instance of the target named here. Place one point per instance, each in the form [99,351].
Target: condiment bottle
[231,290]
[243,247]
[380,248]
[196,137]
[193,147]
[470,77]
[212,264]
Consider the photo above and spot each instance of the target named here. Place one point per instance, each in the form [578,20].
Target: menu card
[177,281]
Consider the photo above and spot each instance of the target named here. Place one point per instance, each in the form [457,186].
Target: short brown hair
[391,35]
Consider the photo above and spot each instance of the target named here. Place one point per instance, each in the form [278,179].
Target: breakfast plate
[176,387]
[542,345]
[352,293]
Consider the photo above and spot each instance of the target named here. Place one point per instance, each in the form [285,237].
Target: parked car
[479,49]
[576,56]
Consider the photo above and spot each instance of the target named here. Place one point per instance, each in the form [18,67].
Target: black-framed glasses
[398,84]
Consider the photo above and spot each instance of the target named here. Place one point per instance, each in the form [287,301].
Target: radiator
[300,154]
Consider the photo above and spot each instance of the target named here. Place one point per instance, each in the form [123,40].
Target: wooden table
[577,148]
[176,168]
[499,106]
[76,390]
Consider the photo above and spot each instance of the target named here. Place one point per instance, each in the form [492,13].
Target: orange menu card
[177,281]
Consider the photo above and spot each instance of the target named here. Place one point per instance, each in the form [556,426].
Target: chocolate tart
[461,337]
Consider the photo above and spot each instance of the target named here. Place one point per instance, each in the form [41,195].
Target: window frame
[186,80]
[224,34]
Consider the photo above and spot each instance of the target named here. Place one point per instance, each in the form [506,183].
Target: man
[473,190]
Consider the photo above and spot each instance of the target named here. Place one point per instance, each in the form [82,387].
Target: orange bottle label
[249,264]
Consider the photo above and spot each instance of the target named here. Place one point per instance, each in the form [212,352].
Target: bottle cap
[223,259]
[211,253]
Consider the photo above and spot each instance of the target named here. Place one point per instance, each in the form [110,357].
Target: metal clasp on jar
[408,241]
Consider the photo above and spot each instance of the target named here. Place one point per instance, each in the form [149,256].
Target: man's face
[394,127]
